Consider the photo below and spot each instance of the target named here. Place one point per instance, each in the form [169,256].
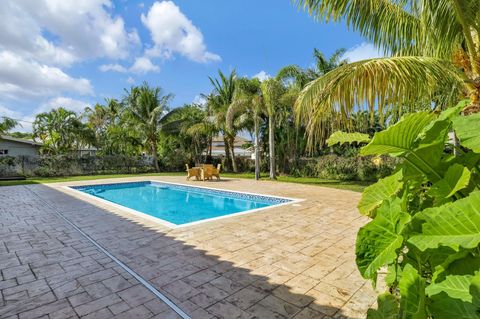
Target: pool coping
[168,224]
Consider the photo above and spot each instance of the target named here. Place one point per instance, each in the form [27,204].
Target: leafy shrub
[359,168]
[425,228]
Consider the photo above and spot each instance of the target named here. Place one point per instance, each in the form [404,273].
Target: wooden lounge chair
[193,172]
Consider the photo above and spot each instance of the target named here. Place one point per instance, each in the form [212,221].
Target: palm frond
[377,84]
[388,24]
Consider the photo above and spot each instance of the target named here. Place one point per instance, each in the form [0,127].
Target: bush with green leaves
[425,227]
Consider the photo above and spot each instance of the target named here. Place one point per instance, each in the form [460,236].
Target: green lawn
[349,185]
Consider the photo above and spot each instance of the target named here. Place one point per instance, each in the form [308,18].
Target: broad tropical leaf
[468,131]
[378,241]
[399,138]
[452,298]
[454,286]
[375,194]
[412,290]
[347,138]
[454,224]
[387,308]
[456,178]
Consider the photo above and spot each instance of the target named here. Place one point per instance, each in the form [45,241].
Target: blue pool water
[179,204]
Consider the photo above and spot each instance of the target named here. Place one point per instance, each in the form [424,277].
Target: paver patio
[294,261]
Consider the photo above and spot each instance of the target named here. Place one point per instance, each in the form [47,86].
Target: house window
[3,152]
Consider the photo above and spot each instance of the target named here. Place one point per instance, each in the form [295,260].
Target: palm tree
[220,100]
[61,131]
[248,102]
[7,124]
[302,77]
[148,109]
[272,91]
[433,58]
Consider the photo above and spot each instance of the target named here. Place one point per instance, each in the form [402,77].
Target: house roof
[20,140]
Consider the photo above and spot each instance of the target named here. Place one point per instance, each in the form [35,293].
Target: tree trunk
[257,151]
[271,146]
[232,154]
[155,156]
[227,153]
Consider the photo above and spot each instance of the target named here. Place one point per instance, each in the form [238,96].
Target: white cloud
[80,29]
[21,77]
[65,102]
[130,80]
[262,76]
[362,51]
[172,32]
[143,65]
[200,99]
[112,67]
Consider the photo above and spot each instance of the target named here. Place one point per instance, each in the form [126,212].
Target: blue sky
[73,54]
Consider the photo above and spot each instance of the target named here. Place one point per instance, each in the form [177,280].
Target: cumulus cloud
[112,67]
[143,65]
[362,51]
[130,80]
[80,29]
[262,76]
[20,77]
[68,103]
[172,32]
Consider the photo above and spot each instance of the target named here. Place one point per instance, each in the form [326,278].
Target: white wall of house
[14,148]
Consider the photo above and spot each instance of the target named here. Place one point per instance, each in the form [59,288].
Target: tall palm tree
[6,124]
[272,91]
[322,65]
[433,57]
[248,102]
[220,100]
[148,108]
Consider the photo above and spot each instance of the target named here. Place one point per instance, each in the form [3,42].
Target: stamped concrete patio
[294,261]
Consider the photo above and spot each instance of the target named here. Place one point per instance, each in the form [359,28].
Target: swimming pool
[178,204]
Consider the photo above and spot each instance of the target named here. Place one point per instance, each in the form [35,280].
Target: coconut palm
[219,101]
[148,109]
[248,103]
[432,49]
[272,91]
[322,65]
[61,131]
[6,124]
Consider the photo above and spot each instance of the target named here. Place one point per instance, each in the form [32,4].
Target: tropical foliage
[6,124]
[425,227]
[432,58]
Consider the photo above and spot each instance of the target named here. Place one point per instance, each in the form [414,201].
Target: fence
[66,165]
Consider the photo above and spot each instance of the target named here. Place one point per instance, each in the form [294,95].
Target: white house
[12,146]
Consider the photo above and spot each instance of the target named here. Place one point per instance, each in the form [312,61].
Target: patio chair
[206,172]
[216,171]
[193,172]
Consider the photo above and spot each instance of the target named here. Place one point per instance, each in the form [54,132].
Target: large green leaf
[468,131]
[456,178]
[454,298]
[379,240]
[375,194]
[412,291]
[454,224]
[347,138]
[401,137]
[387,308]
[424,157]
[454,286]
